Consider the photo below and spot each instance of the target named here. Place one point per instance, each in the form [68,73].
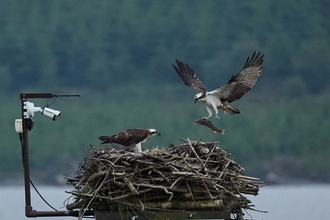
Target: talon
[216,116]
[207,117]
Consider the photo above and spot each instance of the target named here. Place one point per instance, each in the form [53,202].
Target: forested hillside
[118,55]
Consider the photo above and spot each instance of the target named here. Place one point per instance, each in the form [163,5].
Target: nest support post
[27,124]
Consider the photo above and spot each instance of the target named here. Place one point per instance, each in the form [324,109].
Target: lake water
[302,202]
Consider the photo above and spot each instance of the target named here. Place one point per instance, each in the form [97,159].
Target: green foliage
[104,43]
[257,138]
[118,54]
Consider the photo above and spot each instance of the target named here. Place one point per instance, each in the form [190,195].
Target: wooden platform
[106,215]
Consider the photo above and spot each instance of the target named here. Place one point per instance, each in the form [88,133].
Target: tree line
[88,44]
[118,55]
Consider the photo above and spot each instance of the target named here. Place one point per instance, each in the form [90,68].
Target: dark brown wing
[116,138]
[189,77]
[243,82]
[131,136]
[126,138]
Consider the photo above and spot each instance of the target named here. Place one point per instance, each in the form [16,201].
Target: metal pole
[29,212]
[26,166]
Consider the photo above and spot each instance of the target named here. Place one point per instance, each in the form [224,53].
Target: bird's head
[153,132]
[199,96]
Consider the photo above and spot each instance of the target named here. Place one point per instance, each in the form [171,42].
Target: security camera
[29,111]
[50,113]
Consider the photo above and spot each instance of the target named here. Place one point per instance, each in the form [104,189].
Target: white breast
[211,99]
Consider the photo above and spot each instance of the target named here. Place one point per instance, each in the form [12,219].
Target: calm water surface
[306,202]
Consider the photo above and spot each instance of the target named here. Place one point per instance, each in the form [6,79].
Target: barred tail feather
[229,109]
[106,139]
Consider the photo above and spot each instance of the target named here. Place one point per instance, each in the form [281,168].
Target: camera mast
[23,126]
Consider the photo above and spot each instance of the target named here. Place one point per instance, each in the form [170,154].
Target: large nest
[191,176]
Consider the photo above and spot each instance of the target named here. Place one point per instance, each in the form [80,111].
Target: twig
[192,195]
[117,179]
[156,187]
[129,195]
[223,170]
[80,182]
[194,142]
[203,165]
[173,184]
[130,186]
[94,194]
[161,174]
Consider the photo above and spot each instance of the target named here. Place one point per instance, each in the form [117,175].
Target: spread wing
[243,82]
[189,77]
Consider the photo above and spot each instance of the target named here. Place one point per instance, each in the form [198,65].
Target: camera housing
[50,113]
[30,109]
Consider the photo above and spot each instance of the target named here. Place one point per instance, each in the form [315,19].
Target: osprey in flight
[130,137]
[233,90]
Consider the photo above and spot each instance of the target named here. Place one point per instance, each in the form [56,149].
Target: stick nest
[191,176]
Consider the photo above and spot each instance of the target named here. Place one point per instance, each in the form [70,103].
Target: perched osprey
[209,124]
[234,89]
[134,136]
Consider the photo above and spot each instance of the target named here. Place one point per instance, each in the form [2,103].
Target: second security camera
[50,113]
[29,111]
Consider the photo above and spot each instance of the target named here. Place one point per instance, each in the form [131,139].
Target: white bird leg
[216,113]
[209,110]
[138,147]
